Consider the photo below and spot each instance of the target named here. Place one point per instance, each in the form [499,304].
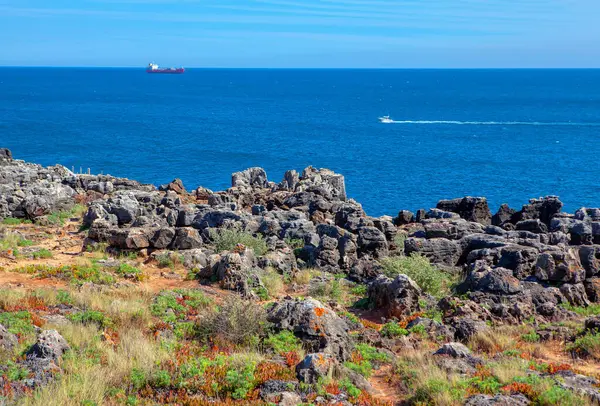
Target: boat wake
[501,123]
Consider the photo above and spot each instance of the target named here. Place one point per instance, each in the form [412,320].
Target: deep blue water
[511,135]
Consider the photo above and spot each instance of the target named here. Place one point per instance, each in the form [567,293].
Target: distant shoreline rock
[517,263]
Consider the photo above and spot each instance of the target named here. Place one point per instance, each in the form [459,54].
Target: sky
[301,33]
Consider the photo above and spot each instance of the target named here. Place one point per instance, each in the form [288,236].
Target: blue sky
[301,33]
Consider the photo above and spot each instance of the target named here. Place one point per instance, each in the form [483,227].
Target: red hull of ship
[172,71]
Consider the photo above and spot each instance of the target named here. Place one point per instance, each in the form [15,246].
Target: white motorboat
[385,120]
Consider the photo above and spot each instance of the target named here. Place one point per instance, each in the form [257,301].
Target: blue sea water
[508,135]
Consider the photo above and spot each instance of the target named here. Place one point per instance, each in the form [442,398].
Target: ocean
[509,135]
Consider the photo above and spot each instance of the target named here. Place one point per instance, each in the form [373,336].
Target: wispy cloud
[456,24]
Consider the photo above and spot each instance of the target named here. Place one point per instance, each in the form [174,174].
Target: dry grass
[304,276]
[86,381]
[492,341]
[273,282]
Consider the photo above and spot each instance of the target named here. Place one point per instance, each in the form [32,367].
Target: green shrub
[64,297]
[161,379]
[399,241]
[138,378]
[91,317]
[16,372]
[419,329]
[12,241]
[430,279]
[371,353]
[43,253]
[393,329]
[25,243]
[359,290]
[586,345]
[237,321]
[592,310]
[240,382]
[350,389]
[164,260]
[558,396]
[489,385]
[327,290]
[532,337]
[11,221]
[365,368]
[19,323]
[228,239]
[295,243]
[130,271]
[284,341]
[427,392]
[59,217]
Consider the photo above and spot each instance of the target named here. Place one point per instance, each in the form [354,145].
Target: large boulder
[236,271]
[371,241]
[498,400]
[399,296]
[49,345]
[404,217]
[437,250]
[184,239]
[590,259]
[320,329]
[544,209]
[8,340]
[496,280]
[559,266]
[324,182]
[503,215]
[251,177]
[5,155]
[314,367]
[469,208]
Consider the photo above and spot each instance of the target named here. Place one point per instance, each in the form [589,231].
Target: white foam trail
[493,123]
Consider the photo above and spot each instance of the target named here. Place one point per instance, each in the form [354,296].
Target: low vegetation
[419,269]
[228,240]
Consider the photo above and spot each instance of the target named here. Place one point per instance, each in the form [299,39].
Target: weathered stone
[455,350]
[533,225]
[469,208]
[162,237]
[559,266]
[467,327]
[186,239]
[496,280]
[313,367]
[590,259]
[319,328]
[372,241]
[575,294]
[251,177]
[503,215]
[404,217]
[50,344]
[5,154]
[498,400]
[399,296]
[592,289]
[8,340]
[437,250]
[174,186]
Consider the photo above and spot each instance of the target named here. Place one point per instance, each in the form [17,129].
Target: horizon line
[297,68]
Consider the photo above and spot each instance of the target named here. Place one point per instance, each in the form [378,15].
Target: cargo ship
[154,68]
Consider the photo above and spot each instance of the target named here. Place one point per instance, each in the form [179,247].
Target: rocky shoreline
[534,264]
